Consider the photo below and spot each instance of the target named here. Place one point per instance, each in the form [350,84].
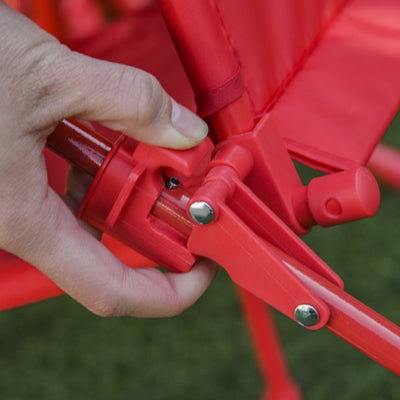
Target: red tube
[80,146]
[20,283]
[202,45]
[170,208]
[351,320]
[209,61]
[235,118]
[268,348]
[87,149]
[385,164]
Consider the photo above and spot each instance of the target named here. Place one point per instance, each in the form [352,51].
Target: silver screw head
[201,212]
[172,183]
[306,315]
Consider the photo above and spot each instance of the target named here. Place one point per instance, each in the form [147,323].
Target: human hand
[41,83]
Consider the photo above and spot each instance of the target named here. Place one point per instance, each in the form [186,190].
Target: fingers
[49,83]
[166,295]
[87,271]
[128,100]
[43,82]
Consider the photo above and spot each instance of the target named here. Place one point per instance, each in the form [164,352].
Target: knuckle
[48,80]
[151,100]
[174,305]
[178,310]
[41,76]
[107,300]
[174,312]
[104,307]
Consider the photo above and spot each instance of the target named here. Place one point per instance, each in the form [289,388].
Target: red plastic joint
[125,191]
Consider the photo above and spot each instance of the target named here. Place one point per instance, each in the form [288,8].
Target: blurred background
[58,350]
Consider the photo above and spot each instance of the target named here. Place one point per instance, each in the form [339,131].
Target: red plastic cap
[343,197]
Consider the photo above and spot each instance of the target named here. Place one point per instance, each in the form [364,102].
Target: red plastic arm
[351,320]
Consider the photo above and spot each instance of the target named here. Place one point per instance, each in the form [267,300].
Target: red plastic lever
[351,320]
[251,264]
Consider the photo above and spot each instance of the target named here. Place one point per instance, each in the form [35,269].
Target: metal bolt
[201,212]
[306,315]
[172,183]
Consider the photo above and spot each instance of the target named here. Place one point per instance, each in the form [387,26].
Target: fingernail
[188,123]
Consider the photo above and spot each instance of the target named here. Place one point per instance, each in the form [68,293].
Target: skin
[41,83]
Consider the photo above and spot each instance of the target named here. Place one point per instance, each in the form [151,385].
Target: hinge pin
[306,315]
[201,212]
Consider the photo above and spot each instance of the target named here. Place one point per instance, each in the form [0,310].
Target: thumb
[50,82]
[125,99]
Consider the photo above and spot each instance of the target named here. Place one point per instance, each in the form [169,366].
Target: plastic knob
[343,197]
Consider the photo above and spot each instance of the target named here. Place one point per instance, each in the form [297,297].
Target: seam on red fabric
[302,60]
[212,100]
[232,47]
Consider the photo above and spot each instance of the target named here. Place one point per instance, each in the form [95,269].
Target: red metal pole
[385,164]
[268,348]
[79,145]
[351,320]
[208,57]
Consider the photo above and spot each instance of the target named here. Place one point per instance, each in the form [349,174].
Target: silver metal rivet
[201,212]
[306,315]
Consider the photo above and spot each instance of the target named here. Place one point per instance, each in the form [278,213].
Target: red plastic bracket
[123,194]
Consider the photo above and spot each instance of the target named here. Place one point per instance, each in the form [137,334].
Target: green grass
[58,350]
